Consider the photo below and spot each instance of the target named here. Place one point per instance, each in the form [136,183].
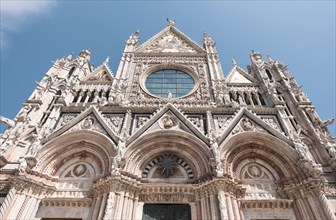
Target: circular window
[169,83]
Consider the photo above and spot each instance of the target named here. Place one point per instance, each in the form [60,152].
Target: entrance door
[166,212]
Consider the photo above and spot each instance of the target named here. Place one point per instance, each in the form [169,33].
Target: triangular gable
[242,122]
[102,73]
[239,76]
[89,119]
[170,40]
[157,120]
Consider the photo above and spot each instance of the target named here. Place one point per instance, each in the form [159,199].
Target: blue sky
[298,33]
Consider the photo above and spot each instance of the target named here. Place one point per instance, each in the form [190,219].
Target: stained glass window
[174,82]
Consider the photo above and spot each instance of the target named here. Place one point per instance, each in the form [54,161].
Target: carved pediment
[170,40]
[170,119]
[90,119]
[102,73]
[246,121]
[169,43]
[239,76]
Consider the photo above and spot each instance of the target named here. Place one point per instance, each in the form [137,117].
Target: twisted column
[324,201]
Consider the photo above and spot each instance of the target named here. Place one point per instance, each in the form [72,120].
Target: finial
[107,60]
[69,57]
[170,22]
[269,58]
[137,32]
[234,63]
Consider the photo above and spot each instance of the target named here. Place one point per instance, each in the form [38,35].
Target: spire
[69,57]
[270,58]
[234,63]
[133,39]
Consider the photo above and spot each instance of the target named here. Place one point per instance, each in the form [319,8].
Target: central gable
[170,40]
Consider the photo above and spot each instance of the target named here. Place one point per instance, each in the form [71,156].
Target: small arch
[71,71]
[269,74]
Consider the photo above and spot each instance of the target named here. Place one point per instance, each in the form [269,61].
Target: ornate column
[110,204]
[102,207]
[119,206]
[302,208]
[127,207]
[230,208]
[96,204]
[235,208]
[214,210]
[324,201]
[222,205]
[7,203]
[14,211]
[314,207]
[135,207]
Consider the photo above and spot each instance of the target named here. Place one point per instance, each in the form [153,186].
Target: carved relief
[115,121]
[65,119]
[168,122]
[222,121]
[272,122]
[258,180]
[166,166]
[246,124]
[197,120]
[88,122]
[173,198]
[169,43]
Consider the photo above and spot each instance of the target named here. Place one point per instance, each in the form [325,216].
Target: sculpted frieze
[272,122]
[167,198]
[222,121]
[169,59]
[65,119]
[330,190]
[198,121]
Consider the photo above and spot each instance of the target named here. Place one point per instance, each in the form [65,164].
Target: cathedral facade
[168,136]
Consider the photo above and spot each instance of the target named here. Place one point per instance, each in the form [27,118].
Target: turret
[126,59]
[214,65]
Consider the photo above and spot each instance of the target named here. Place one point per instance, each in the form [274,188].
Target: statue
[35,146]
[300,147]
[168,122]
[118,161]
[169,95]
[10,123]
[312,114]
[24,113]
[214,148]
[22,165]
[327,122]
[170,22]
[331,149]
[115,169]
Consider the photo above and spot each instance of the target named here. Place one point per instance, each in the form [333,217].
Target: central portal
[166,212]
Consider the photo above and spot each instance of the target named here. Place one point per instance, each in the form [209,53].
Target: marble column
[110,204]
[7,203]
[222,205]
